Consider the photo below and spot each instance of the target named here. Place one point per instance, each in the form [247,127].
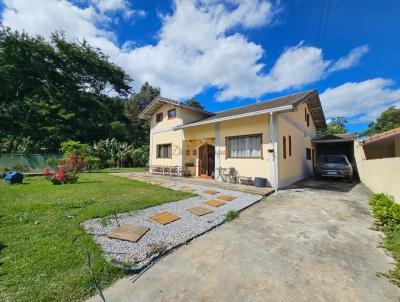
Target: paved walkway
[312,242]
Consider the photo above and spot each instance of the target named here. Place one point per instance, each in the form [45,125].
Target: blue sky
[231,53]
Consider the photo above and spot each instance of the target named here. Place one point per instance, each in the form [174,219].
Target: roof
[381,136]
[158,101]
[288,102]
[335,138]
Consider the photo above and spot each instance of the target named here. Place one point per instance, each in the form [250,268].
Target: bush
[385,208]
[75,147]
[53,163]
[92,163]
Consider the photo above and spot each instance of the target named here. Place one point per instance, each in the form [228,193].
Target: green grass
[121,170]
[39,223]
[230,215]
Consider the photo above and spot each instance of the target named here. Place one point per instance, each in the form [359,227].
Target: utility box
[14,177]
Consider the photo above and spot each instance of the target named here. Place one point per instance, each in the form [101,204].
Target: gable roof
[158,101]
[288,102]
[381,136]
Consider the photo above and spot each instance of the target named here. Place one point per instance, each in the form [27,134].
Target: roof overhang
[380,138]
[315,107]
[233,117]
[158,101]
[338,140]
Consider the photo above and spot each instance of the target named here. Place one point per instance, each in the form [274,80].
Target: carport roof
[335,138]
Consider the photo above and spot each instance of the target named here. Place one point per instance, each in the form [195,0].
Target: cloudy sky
[235,52]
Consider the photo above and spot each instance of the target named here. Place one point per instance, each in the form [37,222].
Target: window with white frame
[246,146]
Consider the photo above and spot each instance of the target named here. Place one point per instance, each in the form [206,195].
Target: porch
[203,181]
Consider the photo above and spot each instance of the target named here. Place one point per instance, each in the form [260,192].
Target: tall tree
[139,129]
[54,91]
[389,119]
[335,126]
[194,103]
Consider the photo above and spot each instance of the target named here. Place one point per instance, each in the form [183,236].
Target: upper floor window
[308,154]
[284,146]
[246,146]
[171,114]
[290,145]
[159,117]
[308,120]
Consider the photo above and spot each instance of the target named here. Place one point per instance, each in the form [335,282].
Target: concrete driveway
[311,242]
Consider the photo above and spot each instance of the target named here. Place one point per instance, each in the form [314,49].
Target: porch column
[151,146]
[273,151]
[217,150]
[180,148]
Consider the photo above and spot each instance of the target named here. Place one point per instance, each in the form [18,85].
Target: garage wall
[379,175]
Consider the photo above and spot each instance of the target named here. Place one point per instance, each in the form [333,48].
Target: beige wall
[383,149]
[249,167]
[295,167]
[379,175]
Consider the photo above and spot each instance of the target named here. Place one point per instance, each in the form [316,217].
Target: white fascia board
[233,117]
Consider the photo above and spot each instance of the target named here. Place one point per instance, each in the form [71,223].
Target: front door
[206,160]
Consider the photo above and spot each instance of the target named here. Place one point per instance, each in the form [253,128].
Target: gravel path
[161,238]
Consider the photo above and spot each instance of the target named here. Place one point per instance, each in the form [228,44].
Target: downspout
[274,142]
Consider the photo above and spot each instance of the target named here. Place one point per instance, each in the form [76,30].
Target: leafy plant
[385,208]
[230,215]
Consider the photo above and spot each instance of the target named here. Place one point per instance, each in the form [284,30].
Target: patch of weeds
[387,213]
[157,248]
[105,221]
[230,215]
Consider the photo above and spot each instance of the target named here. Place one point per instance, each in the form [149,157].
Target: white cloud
[353,58]
[362,100]
[199,45]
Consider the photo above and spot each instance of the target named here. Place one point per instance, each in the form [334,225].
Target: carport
[337,144]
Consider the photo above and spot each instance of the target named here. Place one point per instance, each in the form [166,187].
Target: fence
[26,162]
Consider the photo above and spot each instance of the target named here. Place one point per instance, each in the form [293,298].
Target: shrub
[75,147]
[92,163]
[385,208]
[53,163]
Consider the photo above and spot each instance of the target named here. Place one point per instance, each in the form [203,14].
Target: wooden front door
[206,160]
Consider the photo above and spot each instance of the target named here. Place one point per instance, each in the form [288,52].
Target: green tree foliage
[335,126]
[139,129]
[194,103]
[389,119]
[55,91]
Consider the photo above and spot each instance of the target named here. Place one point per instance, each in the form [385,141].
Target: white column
[180,148]
[273,151]
[217,150]
[150,147]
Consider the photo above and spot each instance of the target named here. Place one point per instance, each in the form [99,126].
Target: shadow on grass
[2,246]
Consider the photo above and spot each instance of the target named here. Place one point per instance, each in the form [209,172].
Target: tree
[139,129]
[55,91]
[335,126]
[389,119]
[194,103]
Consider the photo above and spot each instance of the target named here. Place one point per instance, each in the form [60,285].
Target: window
[290,145]
[305,114]
[159,117]
[308,154]
[171,114]
[194,152]
[246,146]
[187,152]
[308,120]
[164,151]
[284,147]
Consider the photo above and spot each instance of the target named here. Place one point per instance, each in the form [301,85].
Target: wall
[379,175]
[295,167]
[250,167]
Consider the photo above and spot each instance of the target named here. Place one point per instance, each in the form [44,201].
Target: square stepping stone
[199,211]
[187,189]
[214,203]
[210,192]
[164,217]
[226,197]
[128,232]
[158,182]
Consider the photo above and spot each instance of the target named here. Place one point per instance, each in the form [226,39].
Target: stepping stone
[186,189]
[210,192]
[214,203]
[164,217]
[158,182]
[199,211]
[128,232]
[226,197]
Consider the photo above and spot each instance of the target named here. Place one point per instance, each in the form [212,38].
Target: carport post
[273,150]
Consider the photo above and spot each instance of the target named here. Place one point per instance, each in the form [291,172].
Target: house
[378,162]
[269,139]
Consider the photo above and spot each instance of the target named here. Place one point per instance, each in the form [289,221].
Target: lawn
[41,241]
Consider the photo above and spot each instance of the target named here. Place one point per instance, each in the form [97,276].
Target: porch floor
[205,181]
